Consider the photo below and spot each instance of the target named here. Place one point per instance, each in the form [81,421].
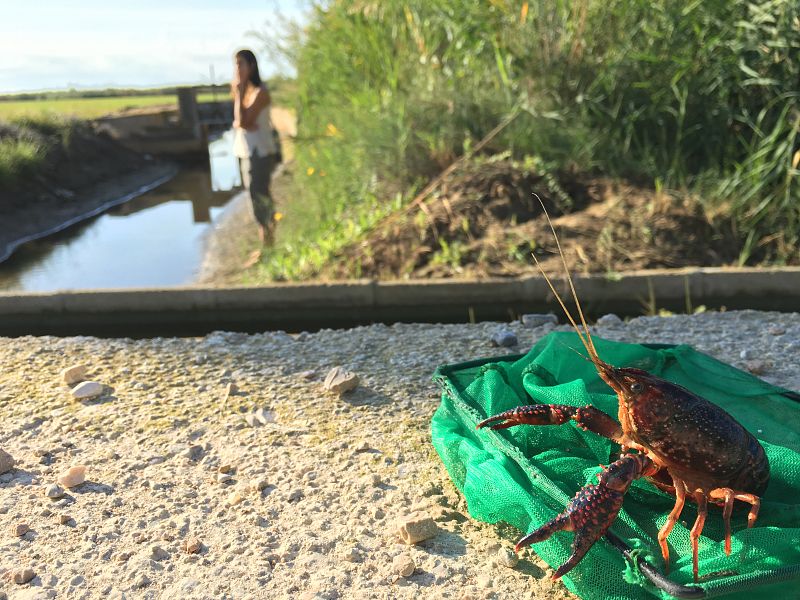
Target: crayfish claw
[500,421]
[592,511]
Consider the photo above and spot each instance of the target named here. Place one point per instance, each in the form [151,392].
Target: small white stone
[257,485]
[87,390]
[74,374]
[352,555]
[264,416]
[23,575]
[403,565]
[507,558]
[537,320]
[73,476]
[158,553]
[7,462]
[416,528]
[340,380]
[609,320]
[235,498]
[192,545]
[54,491]
[224,478]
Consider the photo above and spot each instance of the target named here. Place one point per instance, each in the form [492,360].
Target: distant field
[86,108]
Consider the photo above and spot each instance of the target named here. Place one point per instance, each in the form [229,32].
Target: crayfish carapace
[682,443]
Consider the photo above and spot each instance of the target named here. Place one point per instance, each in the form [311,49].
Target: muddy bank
[81,174]
[484,222]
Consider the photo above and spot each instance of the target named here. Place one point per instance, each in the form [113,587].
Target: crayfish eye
[637,388]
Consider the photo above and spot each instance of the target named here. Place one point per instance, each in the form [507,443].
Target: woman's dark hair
[255,77]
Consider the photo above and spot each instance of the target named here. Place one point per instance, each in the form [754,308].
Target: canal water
[156,239]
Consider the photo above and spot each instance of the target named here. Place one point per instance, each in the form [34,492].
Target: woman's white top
[259,140]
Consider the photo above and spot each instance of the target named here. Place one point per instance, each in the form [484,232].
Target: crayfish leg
[697,528]
[680,499]
[727,495]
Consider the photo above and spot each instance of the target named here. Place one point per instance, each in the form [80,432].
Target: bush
[698,95]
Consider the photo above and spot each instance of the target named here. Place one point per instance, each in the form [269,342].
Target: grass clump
[26,142]
[18,157]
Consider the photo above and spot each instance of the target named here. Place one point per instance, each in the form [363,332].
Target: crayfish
[683,444]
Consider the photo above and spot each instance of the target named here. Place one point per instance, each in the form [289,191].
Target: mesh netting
[526,475]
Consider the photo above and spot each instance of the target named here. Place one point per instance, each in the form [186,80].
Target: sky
[60,44]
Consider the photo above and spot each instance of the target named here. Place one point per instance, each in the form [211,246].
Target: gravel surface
[184,497]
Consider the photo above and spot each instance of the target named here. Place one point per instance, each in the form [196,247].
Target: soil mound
[485,222]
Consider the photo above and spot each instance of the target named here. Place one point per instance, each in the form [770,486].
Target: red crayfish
[682,443]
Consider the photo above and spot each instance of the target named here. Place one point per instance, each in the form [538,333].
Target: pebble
[194,453]
[73,476]
[756,367]
[87,390]
[23,575]
[191,545]
[231,390]
[258,485]
[224,478]
[339,381]
[225,468]
[19,529]
[537,320]
[54,491]
[295,495]
[264,416]
[250,419]
[504,338]
[507,558]
[235,498]
[74,374]
[352,555]
[7,462]
[64,519]
[610,320]
[403,565]
[416,528]
[158,553]
[747,354]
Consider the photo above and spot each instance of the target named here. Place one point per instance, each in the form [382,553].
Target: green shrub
[692,95]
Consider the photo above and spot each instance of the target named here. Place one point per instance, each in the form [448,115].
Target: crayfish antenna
[587,341]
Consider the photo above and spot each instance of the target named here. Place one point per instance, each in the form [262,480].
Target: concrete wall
[295,307]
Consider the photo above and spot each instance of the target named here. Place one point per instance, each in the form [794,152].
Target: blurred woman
[254,142]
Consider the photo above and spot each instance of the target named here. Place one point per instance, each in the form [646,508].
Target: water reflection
[156,239]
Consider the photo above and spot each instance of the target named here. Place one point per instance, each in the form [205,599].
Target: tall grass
[693,95]
[25,143]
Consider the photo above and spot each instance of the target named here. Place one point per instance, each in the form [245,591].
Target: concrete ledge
[311,306]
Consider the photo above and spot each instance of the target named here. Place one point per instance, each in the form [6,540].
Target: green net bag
[526,475]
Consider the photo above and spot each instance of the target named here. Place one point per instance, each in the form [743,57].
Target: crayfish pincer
[683,444]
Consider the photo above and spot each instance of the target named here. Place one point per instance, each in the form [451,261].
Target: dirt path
[302,507]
